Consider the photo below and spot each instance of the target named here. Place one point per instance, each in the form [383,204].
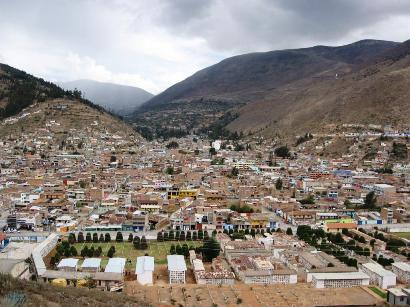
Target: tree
[71,238]
[178,250]
[172,145]
[80,238]
[279,184]
[370,201]
[119,237]
[188,236]
[144,243]
[101,239]
[282,151]
[98,252]
[88,237]
[253,232]
[310,200]
[107,237]
[160,238]
[182,236]
[111,252]
[172,250]
[137,242]
[194,236]
[130,238]
[171,236]
[234,172]
[73,251]
[339,238]
[84,251]
[95,237]
[185,250]
[289,231]
[91,252]
[166,236]
[211,249]
[212,151]
[169,170]
[200,234]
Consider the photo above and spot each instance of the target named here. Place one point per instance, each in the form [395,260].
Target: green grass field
[158,250]
[405,235]
[379,292]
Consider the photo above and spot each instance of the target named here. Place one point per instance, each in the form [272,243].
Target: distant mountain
[376,92]
[119,99]
[252,76]
[267,86]
[19,90]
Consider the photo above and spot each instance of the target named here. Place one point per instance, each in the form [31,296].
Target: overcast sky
[153,44]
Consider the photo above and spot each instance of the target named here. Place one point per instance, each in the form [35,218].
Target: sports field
[158,250]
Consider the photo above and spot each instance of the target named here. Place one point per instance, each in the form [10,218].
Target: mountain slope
[251,76]
[120,99]
[28,103]
[259,87]
[376,93]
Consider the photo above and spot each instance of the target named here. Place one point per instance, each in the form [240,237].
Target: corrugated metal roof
[347,275]
[377,268]
[402,266]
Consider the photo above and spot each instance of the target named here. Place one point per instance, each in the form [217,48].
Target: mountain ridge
[119,99]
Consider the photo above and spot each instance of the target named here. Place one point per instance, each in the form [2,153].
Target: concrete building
[379,276]
[144,269]
[91,265]
[398,296]
[176,269]
[402,271]
[68,265]
[339,280]
[115,265]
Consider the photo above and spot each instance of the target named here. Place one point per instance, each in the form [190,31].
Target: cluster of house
[97,181]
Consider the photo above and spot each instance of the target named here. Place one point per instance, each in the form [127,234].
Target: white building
[339,280]
[402,271]
[379,276]
[144,269]
[91,265]
[176,269]
[115,265]
[68,264]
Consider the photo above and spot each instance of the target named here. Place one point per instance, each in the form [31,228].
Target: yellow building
[178,194]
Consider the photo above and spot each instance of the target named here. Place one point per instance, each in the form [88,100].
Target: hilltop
[28,103]
[119,99]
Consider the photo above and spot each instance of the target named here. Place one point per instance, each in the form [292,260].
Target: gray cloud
[155,43]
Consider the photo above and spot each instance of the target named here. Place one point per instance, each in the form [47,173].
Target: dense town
[91,208]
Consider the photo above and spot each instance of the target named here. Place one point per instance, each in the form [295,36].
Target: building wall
[176,277]
[145,278]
